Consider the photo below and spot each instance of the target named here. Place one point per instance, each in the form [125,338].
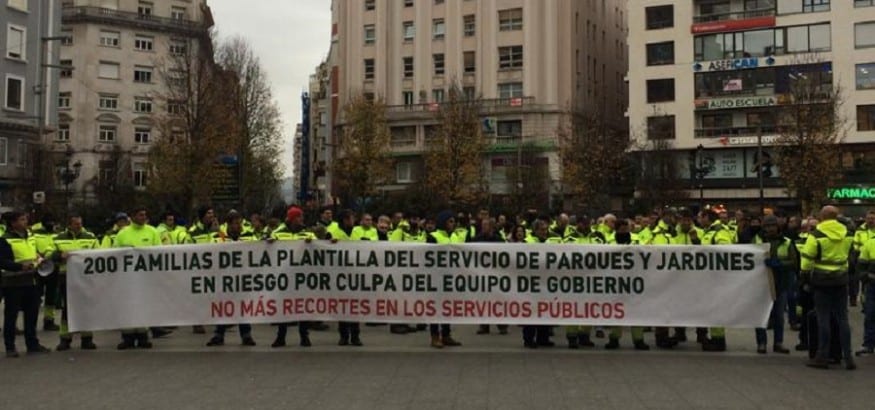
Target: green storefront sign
[851,193]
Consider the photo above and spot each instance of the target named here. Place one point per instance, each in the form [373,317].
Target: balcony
[733,21]
[735,15]
[86,14]
[721,132]
[488,106]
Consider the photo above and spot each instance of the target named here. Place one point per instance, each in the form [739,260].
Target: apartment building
[111,97]
[711,75]
[28,93]
[530,61]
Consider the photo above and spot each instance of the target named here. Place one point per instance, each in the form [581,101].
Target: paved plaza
[402,372]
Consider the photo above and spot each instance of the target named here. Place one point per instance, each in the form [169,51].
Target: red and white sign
[733,25]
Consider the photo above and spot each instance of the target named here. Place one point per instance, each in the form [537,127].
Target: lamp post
[68,175]
[699,171]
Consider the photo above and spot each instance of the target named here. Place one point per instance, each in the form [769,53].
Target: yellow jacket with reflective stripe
[826,248]
[68,242]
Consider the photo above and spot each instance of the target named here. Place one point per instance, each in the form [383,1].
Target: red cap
[293,213]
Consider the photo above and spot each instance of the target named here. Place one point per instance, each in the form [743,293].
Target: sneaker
[50,326]
[613,344]
[216,341]
[158,332]
[450,342]
[248,341]
[818,364]
[865,351]
[278,343]
[12,354]
[126,345]
[343,342]
[780,349]
[38,349]
[436,342]
[88,344]
[761,349]
[802,347]
[640,345]
[680,337]
[714,345]
[305,341]
[850,365]
[144,344]
[355,341]
[64,345]
[483,330]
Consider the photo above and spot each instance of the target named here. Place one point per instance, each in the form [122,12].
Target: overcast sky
[291,37]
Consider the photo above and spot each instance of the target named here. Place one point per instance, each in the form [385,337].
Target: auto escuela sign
[737,102]
[261,282]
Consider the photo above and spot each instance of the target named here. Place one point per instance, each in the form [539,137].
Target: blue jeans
[832,303]
[776,318]
[869,321]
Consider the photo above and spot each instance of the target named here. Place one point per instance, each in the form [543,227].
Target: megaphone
[45,267]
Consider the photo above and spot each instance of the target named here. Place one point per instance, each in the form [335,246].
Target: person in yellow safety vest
[863,233]
[43,235]
[561,227]
[171,233]
[18,279]
[579,336]
[326,219]
[606,227]
[824,268]
[366,231]
[645,233]
[138,234]
[384,226]
[201,232]
[121,221]
[443,234]
[663,234]
[258,228]
[716,234]
[687,233]
[535,336]
[783,260]
[623,236]
[866,270]
[292,230]
[464,230]
[397,221]
[235,233]
[487,233]
[74,238]
[804,297]
[350,332]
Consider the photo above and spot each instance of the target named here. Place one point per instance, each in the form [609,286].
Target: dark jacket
[495,237]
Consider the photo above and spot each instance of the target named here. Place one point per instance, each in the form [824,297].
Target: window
[510,129]
[105,173]
[661,90]
[469,25]
[108,102]
[409,30]
[22,154]
[660,53]
[437,95]
[803,39]
[3,150]
[510,20]
[139,176]
[438,29]
[408,3]
[369,69]
[408,97]
[510,57]
[177,13]
[142,135]
[437,2]
[177,47]
[866,118]
[63,134]
[18,4]
[14,93]
[866,76]
[716,10]
[660,17]
[370,34]
[143,43]
[404,172]
[142,74]
[864,3]
[67,35]
[864,34]
[142,105]
[175,107]
[408,67]
[16,42]
[66,72]
[438,64]
[106,133]
[370,5]
[109,38]
[510,90]
[64,100]
[144,9]
[470,61]
[660,127]
[811,6]
[108,70]
[469,92]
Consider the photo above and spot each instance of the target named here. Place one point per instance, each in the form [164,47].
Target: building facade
[120,53]
[28,91]
[529,61]
[712,76]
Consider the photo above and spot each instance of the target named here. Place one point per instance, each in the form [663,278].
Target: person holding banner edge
[443,235]
[717,233]
[349,332]
[138,234]
[292,230]
[74,238]
[782,260]
[235,233]
[535,336]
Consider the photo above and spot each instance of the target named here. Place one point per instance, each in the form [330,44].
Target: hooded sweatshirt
[826,248]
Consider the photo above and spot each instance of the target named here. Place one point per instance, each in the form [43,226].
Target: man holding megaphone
[19,263]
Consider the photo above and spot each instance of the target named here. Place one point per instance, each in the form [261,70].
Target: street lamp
[699,170]
[68,175]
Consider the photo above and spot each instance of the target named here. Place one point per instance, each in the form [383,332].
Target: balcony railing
[735,15]
[737,131]
[125,18]
[488,105]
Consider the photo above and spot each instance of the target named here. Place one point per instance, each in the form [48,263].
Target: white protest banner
[365,281]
